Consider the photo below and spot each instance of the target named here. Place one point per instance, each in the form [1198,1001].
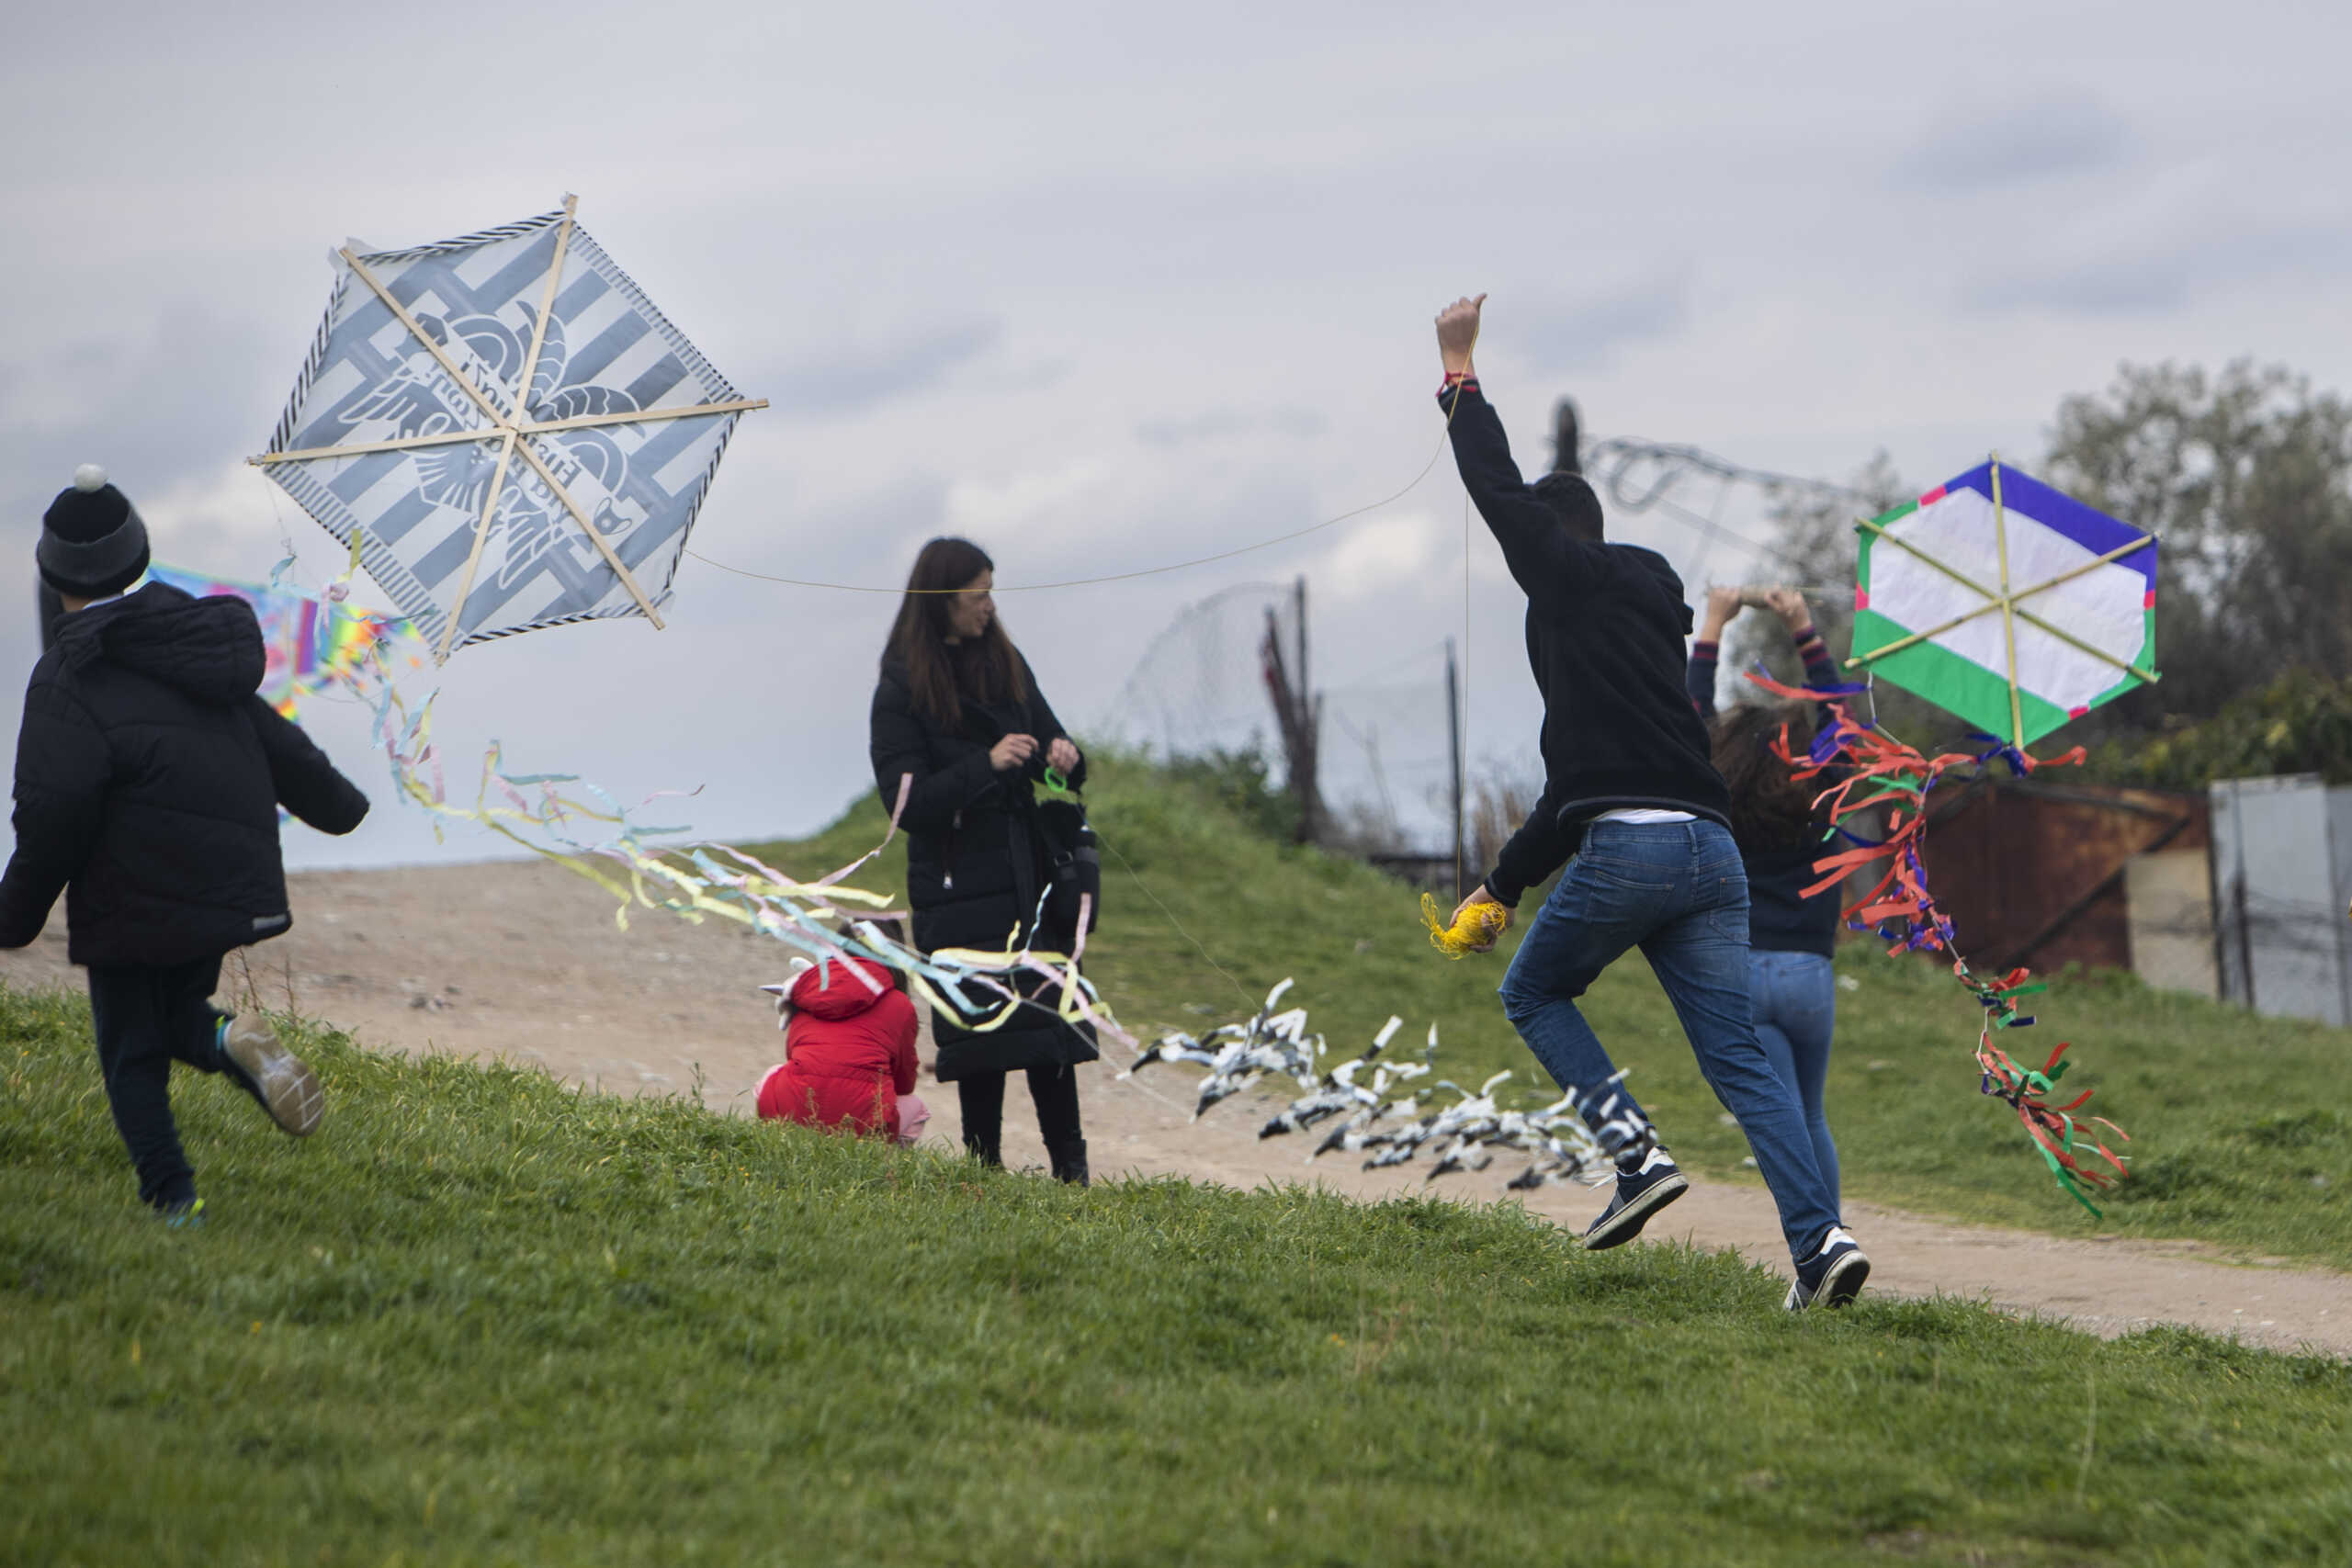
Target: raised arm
[1541,553]
[1820,669]
[1706,653]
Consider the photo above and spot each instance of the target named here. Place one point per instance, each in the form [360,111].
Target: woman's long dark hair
[1769,810]
[918,636]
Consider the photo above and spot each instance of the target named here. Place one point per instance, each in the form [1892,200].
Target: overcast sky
[1109,287]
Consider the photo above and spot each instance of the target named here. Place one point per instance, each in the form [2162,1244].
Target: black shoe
[1641,1193]
[1832,1276]
[1069,1162]
[990,1153]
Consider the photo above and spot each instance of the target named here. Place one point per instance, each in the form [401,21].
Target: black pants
[147,1017]
[1055,1090]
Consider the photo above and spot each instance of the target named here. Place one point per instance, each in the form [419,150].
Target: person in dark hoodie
[1635,809]
[959,713]
[149,776]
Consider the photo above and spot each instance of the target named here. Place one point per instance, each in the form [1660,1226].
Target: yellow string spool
[1476,930]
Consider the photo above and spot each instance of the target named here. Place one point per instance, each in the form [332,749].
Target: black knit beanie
[92,542]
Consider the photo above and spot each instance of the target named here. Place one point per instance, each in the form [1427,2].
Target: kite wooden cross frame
[2007,600]
[512,432]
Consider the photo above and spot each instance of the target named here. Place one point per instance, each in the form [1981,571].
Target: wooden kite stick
[2142,542]
[2099,653]
[506,447]
[473,555]
[2008,609]
[639,416]
[362,448]
[547,304]
[440,354]
[1903,544]
[533,427]
[604,546]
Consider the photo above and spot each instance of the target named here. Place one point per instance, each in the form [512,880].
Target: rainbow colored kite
[312,644]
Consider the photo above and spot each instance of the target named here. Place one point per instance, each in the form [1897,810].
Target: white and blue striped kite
[513,434]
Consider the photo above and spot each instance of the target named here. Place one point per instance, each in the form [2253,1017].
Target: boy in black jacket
[148,781]
[1631,792]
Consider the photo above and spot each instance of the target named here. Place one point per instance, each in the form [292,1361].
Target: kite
[506,429]
[312,644]
[1459,1135]
[2000,599]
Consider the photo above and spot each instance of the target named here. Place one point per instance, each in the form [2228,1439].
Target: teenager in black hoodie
[1630,793]
[148,781]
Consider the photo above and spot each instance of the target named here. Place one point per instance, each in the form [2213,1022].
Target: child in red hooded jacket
[849,1048]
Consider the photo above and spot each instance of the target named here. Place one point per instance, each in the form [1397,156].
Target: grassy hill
[2242,1135]
[485,1319]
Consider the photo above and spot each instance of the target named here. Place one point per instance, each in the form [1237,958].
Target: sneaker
[185,1214]
[282,1081]
[1641,1193]
[1833,1275]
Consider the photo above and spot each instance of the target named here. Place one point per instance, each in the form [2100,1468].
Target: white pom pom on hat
[89,476]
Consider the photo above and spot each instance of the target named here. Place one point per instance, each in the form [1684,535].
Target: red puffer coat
[849,1052]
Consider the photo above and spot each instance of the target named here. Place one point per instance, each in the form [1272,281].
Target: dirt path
[524,961]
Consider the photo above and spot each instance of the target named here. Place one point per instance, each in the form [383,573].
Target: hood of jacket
[209,649]
[829,990]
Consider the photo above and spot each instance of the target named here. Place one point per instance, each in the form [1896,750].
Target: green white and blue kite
[2006,602]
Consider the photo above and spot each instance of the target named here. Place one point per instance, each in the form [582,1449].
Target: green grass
[2242,1137]
[483,1318]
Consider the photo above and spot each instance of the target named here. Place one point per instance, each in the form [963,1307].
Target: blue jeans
[1677,891]
[1794,998]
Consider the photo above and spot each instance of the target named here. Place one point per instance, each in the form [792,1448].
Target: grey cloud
[198,390]
[1220,423]
[1998,144]
[2134,274]
[851,380]
[1585,334]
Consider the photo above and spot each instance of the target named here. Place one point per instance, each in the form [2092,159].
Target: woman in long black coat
[958,709]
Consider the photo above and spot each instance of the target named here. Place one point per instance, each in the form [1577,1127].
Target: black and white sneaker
[282,1081]
[1641,1193]
[1833,1275]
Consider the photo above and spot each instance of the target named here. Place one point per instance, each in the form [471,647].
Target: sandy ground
[524,961]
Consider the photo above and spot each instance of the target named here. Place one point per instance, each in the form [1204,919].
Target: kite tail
[1870,769]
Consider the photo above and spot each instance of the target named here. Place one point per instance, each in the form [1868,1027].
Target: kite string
[1444,437]
[1113,576]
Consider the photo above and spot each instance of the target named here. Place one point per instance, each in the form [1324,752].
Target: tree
[1815,531]
[2246,477]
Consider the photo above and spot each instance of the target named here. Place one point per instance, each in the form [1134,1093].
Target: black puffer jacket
[148,781]
[974,867]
